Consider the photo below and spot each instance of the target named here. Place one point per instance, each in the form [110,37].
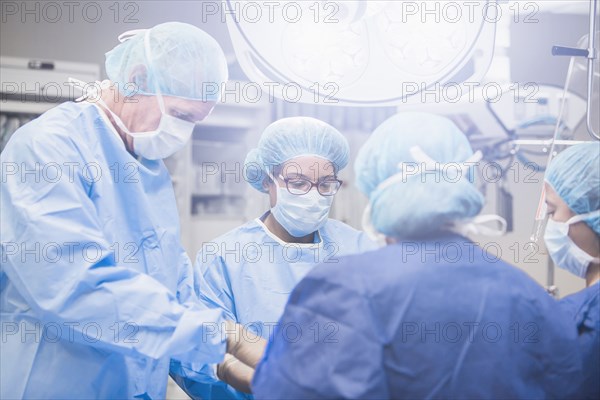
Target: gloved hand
[244,345]
[235,373]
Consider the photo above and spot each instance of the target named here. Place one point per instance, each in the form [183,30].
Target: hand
[244,345]
[235,373]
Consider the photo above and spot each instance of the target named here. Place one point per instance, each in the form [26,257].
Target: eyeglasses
[300,186]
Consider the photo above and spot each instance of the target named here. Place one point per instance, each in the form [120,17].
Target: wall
[77,39]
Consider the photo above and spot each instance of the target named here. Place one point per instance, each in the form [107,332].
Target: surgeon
[572,237]
[97,293]
[430,315]
[250,271]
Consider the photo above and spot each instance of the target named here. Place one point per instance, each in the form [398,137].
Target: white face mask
[168,138]
[301,215]
[563,251]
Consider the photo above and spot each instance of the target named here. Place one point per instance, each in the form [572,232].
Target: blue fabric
[97,293]
[185,62]
[432,319]
[291,137]
[249,274]
[418,203]
[575,176]
[584,308]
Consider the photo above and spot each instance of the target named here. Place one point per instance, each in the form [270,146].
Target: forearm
[244,345]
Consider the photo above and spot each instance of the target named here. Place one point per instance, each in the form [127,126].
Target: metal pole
[591,58]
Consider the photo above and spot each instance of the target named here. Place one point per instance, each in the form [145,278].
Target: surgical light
[361,52]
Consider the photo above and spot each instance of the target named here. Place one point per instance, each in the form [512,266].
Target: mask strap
[428,164]
[87,89]
[129,34]
[421,157]
[583,217]
[159,96]
[477,226]
[94,91]
[369,229]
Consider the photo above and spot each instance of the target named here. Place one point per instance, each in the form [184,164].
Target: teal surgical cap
[575,176]
[292,137]
[417,204]
[184,61]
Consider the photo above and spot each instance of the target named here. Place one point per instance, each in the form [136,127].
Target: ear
[139,77]
[266,183]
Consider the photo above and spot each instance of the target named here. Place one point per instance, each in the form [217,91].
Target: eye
[297,183]
[181,115]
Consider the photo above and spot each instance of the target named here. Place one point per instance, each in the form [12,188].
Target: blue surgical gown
[584,308]
[249,273]
[97,293]
[438,318]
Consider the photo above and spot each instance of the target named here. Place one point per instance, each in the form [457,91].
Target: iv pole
[591,54]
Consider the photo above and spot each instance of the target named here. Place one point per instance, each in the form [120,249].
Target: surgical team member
[430,315]
[97,293]
[250,271]
[573,241]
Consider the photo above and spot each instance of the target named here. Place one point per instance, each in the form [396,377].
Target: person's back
[584,308]
[431,315]
[420,323]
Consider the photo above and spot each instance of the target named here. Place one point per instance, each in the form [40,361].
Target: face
[313,168]
[581,234]
[142,113]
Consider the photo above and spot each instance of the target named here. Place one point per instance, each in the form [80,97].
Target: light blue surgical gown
[97,293]
[584,308]
[249,273]
[438,318]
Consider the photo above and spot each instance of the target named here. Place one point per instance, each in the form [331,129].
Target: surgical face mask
[563,251]
[301,215]
[169,137]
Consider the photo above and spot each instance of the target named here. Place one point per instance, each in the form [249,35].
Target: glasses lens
[329,188]
[298,186]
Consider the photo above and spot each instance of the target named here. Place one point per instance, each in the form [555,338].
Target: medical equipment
[336,52]
[31,87]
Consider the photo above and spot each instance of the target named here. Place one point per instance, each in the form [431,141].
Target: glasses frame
[312,184]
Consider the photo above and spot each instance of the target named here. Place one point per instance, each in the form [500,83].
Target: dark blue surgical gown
[584,308]
[432,319]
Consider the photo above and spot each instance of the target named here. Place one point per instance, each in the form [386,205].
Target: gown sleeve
[80,283]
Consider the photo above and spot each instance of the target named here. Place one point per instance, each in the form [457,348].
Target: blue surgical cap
[419,204]
[575,176]
[185,62]
[292,137]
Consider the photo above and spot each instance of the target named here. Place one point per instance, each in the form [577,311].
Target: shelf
[26,107]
